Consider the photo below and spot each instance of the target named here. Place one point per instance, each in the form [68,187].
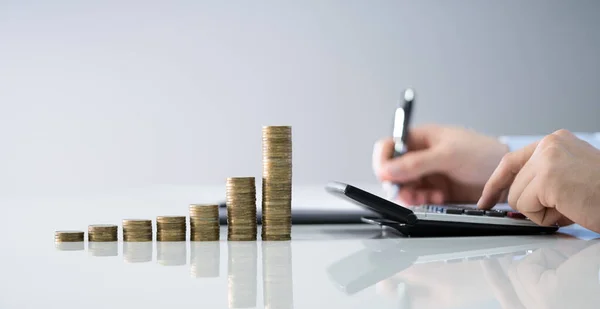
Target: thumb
[413,165]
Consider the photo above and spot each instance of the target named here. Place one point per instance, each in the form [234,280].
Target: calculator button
[515,215]
[474,212]
[454,211]
[495,213]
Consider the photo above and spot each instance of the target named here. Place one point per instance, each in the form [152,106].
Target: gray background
[122,94]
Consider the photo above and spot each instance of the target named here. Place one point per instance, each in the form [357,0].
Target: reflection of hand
[443,164]
[438,285]
[548,279]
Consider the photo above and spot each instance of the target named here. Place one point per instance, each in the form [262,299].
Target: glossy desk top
[324,266]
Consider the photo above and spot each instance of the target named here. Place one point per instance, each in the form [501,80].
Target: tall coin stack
[204,222]
[241,208]
[277,183]
[102,232]
[137,230]
[171,228]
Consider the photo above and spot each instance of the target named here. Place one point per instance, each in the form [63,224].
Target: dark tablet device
[439,220]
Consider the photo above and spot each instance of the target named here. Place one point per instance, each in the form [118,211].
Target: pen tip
[409,94]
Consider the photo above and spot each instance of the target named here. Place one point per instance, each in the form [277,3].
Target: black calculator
[439,220]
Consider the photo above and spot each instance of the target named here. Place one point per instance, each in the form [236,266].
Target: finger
[413,165]
[521,181]
[421,196]
[421,137]
[528,203]
[439,184]
[382,152]
[504,175]
[437,197]
[406,196]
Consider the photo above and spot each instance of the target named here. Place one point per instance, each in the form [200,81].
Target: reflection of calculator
[373,264]
[440,220]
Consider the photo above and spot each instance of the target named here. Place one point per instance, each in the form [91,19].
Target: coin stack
[68,236]
[69,240]
[277,183]
[241,209]
[102,232]
[171,228]
[137,230]
[204,222]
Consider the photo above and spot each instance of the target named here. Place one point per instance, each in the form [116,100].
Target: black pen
[402,118]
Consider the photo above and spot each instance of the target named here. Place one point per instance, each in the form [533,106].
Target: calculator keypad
[467,210]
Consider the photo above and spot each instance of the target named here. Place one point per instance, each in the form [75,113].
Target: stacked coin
[277,183]
[171,228]
[204,222]
[241,208]
[137,230]
[102,232]
[68,236]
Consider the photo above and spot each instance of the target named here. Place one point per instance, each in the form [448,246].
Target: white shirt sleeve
[520,141]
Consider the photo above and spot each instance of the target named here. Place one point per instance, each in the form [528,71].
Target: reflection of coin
[242,274]
[278,289]
[171,253]
[69,246]
[103,248]
[137,252]
[205,259]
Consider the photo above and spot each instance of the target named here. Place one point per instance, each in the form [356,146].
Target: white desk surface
[324,266]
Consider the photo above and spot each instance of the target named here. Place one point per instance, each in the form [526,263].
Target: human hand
[555,180]
[443,164]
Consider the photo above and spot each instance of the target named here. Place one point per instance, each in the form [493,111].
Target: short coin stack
[171,228]
[68,236]
[204,222]
[241,209]
[137,230]
[277,183]
[102,232]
